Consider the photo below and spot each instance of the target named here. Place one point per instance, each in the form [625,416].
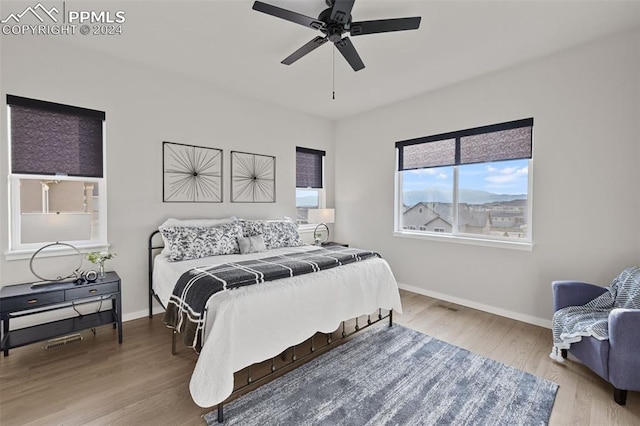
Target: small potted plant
[98,258]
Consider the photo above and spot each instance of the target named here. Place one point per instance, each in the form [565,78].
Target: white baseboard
[436,295]
[480,306]
[139,314]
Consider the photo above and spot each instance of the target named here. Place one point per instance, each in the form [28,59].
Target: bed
[251,324]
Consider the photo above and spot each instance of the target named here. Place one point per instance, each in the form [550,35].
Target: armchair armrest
[624,346]
[574,293]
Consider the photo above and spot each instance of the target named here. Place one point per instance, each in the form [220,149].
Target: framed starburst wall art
[191,174]
[253,178]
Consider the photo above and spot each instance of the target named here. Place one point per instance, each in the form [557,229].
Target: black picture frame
[253,178]
[191,174]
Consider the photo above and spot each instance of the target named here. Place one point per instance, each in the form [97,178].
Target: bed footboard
[290,362]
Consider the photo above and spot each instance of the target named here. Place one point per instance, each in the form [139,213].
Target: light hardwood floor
[97,381]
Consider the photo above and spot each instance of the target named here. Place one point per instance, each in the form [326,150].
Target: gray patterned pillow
[193,242]
[276,233]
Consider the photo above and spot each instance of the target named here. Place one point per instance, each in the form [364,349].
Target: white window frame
[455,236]
[17,249]
[322,203]
[322,199]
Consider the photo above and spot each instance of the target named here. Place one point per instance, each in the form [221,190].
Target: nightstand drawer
[32,301]
[91,290]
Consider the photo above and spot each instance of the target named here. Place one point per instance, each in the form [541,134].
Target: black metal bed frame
[295,359]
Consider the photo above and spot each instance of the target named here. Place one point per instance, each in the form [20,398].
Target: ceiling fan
[333,23]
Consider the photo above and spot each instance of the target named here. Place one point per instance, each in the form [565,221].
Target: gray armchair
[616,360]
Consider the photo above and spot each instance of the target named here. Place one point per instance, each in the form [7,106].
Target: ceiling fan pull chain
[334,72]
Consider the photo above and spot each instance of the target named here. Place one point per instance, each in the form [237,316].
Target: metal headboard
[151,255]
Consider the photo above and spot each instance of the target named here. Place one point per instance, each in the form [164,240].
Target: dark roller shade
[309,168]
[432,154]
[496,146]
[50,139]
[504,141]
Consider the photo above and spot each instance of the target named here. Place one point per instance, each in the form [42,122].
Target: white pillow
[181,223]
[252,244]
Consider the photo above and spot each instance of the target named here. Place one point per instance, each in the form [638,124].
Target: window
[57,183]
[471,183]
[309,182]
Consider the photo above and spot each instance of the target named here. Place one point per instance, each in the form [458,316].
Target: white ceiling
[225,43]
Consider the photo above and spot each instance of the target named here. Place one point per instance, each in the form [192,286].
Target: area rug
[396,376]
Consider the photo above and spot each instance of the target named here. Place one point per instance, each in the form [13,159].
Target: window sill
[22,254]
[513,245]
[306,229]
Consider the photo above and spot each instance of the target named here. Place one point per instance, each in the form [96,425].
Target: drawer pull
[93,291]
[32,301]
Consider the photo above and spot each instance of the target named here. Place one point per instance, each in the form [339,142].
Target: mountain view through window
[492,199]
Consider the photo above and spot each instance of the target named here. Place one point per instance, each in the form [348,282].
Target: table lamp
[321,217]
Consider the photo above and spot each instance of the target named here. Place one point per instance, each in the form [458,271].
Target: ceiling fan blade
[384,25]
[307,48]
[341,11]
[350,54]
[288,15]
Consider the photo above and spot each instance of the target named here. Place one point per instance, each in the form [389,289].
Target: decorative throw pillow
[252,244]
[180,223]
[282,233]
[276,233]
[251,227]
[193,242]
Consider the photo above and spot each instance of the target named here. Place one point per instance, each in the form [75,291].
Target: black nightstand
[333,243]
[22,300]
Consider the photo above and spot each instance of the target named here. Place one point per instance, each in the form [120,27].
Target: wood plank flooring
[96,381]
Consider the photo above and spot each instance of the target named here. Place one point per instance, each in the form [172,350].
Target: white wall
[586,199]
[145,107]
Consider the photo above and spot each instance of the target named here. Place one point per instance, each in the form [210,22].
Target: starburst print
[192,173]
[253,178]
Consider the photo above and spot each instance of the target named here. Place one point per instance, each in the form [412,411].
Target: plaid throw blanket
[591,319]
[186,311]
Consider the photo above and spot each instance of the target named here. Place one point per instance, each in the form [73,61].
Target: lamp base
[316,235]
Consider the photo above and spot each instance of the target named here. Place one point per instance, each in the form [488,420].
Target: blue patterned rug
[396,376]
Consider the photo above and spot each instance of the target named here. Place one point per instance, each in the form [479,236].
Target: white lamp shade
[322,215]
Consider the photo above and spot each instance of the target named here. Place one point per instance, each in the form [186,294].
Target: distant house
[508,218]
[438,217]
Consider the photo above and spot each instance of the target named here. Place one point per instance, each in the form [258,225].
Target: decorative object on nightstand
[67,269]
[321,217]
[98,258]
[64,271]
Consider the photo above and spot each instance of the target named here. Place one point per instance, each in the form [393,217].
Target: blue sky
[502,177]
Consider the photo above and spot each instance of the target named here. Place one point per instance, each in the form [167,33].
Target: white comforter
[255,323]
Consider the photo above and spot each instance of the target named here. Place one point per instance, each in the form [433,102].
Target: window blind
[505,141]
[309,167]
[49,138]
